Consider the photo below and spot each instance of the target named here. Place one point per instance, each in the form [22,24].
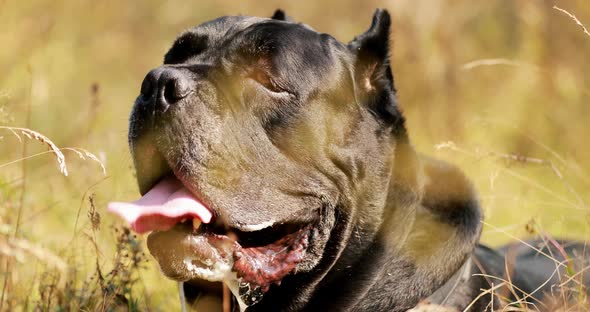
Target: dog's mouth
[190,243]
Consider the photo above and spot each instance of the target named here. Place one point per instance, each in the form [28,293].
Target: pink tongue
[166,204]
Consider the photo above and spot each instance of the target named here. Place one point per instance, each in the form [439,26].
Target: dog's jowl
[275,159]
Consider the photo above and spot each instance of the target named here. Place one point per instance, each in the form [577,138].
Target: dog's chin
[184,255]
[249,267]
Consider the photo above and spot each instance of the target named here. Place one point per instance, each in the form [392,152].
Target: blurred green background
[501,88]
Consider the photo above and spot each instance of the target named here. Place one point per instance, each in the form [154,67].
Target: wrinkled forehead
[202,37]
[218,30]
[253,37]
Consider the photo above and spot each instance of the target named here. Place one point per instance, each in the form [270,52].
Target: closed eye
[265,80]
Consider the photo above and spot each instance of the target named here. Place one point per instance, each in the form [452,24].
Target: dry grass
[58,152]
[570,294]
[505,81]
[573,17]
[62,282]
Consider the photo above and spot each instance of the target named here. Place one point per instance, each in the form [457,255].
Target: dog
[275,159]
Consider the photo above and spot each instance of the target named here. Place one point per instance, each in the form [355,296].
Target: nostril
[175,89]
[165,86]
[149,84]
[146,89]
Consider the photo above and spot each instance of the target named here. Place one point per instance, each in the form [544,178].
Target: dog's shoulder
[450,196]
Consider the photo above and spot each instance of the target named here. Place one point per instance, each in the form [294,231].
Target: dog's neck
[429,229]
[444,228]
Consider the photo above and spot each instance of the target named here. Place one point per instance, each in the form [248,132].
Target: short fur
[287,125]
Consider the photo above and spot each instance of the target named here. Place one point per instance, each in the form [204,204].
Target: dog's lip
[159,165]
[169,201]
[144,215]
[237,231]
[238,226]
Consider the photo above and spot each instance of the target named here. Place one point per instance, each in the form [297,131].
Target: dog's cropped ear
[372,68]
[372,52]
[281,16]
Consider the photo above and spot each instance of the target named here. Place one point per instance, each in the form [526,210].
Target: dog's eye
[263,78]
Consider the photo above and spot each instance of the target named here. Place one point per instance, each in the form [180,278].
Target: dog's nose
[165,86]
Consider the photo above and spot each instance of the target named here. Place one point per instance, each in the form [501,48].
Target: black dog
[291,149]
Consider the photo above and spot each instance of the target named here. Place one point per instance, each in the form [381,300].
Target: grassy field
[500,88]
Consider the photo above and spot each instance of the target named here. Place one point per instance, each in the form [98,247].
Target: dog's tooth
[196,223]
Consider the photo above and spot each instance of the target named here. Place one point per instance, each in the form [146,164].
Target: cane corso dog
[274,159]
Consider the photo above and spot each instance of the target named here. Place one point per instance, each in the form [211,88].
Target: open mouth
[189,242]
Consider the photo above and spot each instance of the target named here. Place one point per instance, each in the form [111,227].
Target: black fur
[289,126]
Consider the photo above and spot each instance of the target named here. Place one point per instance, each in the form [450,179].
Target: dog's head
[287,145]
